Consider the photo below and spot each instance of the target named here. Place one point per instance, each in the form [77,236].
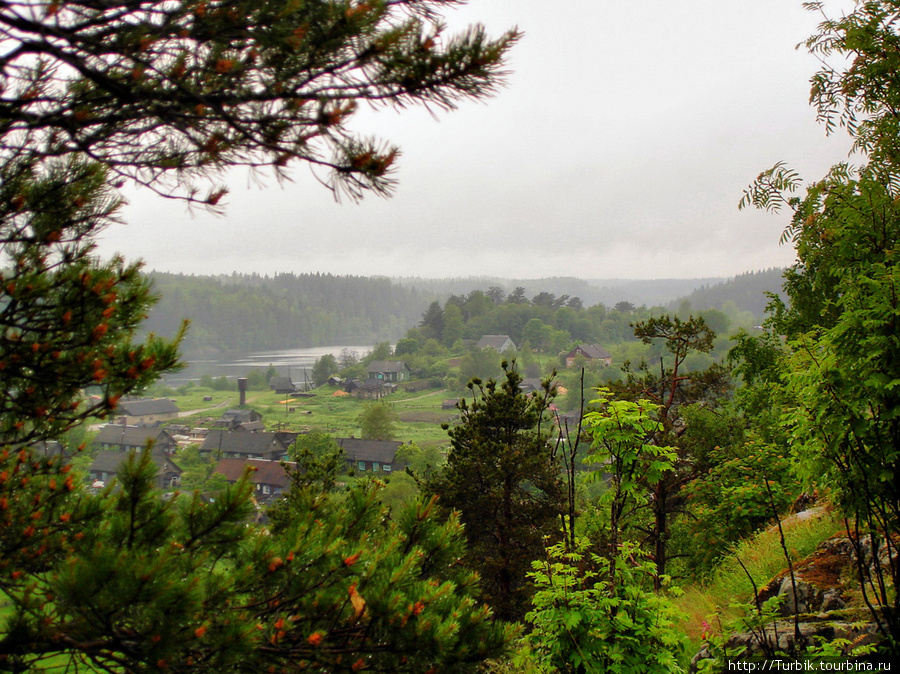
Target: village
[234,439]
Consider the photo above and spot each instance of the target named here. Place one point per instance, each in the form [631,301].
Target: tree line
[748,291]
[544,323]
[253,312]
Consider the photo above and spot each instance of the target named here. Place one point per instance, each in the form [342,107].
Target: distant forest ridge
[252,312]
[748,291]
[608,292]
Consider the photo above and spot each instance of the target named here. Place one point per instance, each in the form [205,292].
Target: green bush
[593,616]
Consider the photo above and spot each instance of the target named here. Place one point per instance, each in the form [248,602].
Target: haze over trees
[242,312]
[748,291]
[257,313]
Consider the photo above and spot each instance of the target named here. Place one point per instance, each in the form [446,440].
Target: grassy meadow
[420,414]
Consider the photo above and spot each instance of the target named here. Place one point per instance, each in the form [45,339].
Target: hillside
[253,312]
[241,312]
[747,291]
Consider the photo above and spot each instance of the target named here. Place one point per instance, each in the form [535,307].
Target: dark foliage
[504,480]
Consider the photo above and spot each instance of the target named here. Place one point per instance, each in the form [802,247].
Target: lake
[295,362]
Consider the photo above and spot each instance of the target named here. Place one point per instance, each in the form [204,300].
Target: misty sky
[619,149]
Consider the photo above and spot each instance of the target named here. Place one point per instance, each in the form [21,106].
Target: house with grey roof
[365,456]
[146,411]
[388,370]
[244,419]
[282,385]
[122,438]
[223,444]
[51,449]
[109,463]
[498,343]
[590,353]
[287,438]
[116,443]
[370,388]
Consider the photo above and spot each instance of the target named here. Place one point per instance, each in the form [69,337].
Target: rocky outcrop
[824,598]
[781,636]
[820,581]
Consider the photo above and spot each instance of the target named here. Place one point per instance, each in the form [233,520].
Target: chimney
[242,389]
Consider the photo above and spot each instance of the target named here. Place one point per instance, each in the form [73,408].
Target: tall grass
[762,555]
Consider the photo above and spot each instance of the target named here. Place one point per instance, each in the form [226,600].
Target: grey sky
[619,148]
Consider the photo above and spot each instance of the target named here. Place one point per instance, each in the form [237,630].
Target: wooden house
[109,462]
[282,385]
[590,353]
[122,438]
[222,444]
[270,479]
[371,456]
[51,449]
[498,343]
[146,411]
[370,389]
[392,371]
[241,419]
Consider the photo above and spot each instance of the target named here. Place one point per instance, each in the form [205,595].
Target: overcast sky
[619,149]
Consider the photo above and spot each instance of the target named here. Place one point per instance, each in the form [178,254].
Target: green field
[420,414]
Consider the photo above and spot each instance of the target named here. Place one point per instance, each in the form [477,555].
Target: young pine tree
[503,478]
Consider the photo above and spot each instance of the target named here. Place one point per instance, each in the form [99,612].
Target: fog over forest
[256,312]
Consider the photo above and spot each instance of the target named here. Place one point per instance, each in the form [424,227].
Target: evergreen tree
[517,296]
[453,325]
[575,303]
[545,299]
[503,478]
[166,92]
[185,585]
[432,324]
[68,320]
[497,294]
